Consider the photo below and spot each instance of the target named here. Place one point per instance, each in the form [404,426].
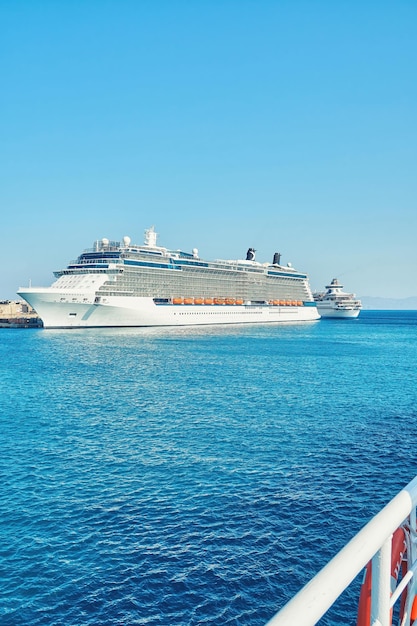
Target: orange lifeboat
[294,303]
[239,301]
[218,300]
[188,300]
[300,303]
[208,300]
[177,300]
[230,301]
[198,300]
[287,302]
[282,303]
[275,302]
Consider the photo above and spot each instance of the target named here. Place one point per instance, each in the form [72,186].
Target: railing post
[412,567]
[381,585]
[413,534]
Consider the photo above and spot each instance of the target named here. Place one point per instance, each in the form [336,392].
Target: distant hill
[400,304]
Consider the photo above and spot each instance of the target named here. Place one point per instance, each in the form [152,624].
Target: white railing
[372,542]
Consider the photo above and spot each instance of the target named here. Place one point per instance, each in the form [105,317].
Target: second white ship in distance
[336,303]
[122,284]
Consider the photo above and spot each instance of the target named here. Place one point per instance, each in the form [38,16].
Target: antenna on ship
[150,237]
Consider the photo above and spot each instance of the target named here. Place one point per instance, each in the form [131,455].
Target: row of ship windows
[162,277]
[252,295]
[190,267]
[153,280]
[207,288]
[67,299]
[147,285]
[202,275]
[187,276]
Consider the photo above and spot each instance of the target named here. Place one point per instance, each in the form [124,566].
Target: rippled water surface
[196,475]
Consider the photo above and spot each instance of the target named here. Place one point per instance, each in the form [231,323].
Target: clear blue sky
[285,125]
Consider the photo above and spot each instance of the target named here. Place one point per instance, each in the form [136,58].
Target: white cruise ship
[334,302]
[121,284]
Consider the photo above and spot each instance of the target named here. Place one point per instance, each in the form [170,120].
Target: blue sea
[195,476]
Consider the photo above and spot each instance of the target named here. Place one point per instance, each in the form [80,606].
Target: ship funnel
[277,258]
[250,255]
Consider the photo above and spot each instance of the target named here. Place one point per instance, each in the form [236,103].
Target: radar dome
[195,253]
[105,241]
[126,240]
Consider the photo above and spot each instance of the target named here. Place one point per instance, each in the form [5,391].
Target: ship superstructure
[121,284]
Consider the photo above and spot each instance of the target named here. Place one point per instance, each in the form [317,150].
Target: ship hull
[119,311]
[338,313]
